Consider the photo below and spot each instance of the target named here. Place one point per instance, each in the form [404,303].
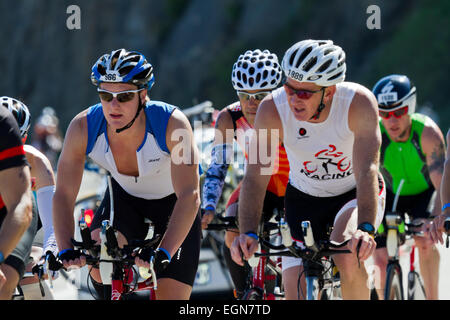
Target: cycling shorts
[20,256]
[322,212]
[416,206]
[271,202]
[129,215]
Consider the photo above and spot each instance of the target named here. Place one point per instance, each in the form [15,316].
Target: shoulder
[8,125]
[36,158]
[363,110]
[267,115]
[432,136]
[225,119]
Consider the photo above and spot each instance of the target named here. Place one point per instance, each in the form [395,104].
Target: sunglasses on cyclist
[300,93]
[396,113]
[122,96]
[257,96]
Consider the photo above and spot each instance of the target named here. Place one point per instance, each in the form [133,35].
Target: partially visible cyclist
[437,228]
[330,131]
[254,75]
[47,136]
[148,148]
[412,150]
[43,182]
[17,226]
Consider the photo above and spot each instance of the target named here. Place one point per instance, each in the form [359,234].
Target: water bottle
[106,268]
[144,272]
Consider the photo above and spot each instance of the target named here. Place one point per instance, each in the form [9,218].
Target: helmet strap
[320,108]
[140,107]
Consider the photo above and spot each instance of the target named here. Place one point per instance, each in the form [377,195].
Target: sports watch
[367,227]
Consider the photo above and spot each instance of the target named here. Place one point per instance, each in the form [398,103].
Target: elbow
[191,199]
[26,209]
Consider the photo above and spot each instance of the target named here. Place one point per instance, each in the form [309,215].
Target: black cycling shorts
[416,206]
[129,215]
[320,211]
[20,256]
[271,202]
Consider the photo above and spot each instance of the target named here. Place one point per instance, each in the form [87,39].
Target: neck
[135,130]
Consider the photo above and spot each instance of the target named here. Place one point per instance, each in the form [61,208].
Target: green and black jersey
[405,160]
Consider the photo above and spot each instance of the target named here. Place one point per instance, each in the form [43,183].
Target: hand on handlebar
[72,259]
[243,248]
[159,259]
[362,244]
[207,217]
[437,229]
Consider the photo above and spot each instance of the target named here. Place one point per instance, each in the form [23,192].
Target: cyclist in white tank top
[320,153]
[330,131]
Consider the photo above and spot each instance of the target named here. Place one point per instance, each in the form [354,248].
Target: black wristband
[367,227]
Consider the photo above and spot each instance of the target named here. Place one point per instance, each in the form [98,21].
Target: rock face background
[193,44]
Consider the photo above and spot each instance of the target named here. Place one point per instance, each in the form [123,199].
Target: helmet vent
[303,56]
[308,65]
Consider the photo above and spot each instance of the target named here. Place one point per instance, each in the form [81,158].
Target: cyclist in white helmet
[254,75]
[330,131]
[148,148]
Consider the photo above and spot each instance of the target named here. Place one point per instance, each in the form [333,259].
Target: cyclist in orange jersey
[255,74]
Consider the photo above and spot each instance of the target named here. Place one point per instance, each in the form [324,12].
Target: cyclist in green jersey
[438,223]
[412,151]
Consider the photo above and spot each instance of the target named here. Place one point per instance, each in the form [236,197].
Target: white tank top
[153,157]
[320,154]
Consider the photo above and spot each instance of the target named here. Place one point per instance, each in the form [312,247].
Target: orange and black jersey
[280,176]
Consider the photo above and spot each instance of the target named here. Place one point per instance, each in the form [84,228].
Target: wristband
[210,208]
[166,252]
[445,206]
[2,257]
[252,235]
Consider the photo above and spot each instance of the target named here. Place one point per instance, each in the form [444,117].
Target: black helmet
[394,92]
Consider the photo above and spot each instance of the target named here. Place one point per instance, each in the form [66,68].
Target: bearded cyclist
[412,150]
[17,225]
[154,175]
[330,131]
[255,74]
[43,184]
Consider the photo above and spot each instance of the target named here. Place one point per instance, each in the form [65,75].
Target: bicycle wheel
[393,289]
[253,294]
[416,290]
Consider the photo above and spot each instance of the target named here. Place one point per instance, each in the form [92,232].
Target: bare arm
[263,146]
[185,180]
[445,184]
[68,180]
[363,122]
[41,168]
[434,148]
[17,199]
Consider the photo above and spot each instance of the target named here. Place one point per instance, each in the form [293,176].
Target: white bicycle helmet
[256,70]
[317,61]
[19,111]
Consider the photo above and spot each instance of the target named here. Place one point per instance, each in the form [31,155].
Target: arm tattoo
[437,159]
